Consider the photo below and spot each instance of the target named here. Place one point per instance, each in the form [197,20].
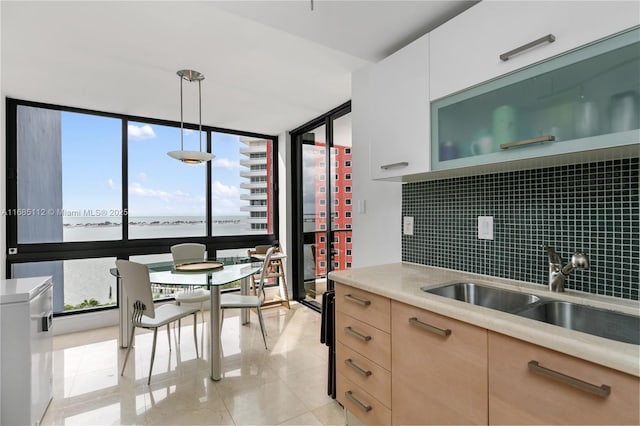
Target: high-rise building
[340,186]
[257,163]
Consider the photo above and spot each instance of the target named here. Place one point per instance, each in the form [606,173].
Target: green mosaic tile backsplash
[591,207]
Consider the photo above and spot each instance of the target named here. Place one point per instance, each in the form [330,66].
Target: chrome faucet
[558,274]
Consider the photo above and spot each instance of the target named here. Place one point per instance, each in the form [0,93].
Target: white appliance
[26,358]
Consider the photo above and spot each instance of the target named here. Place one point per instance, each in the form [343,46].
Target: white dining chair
[241,301]
[137,288]
[187,252]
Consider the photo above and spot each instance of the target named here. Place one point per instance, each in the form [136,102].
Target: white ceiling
[270,66]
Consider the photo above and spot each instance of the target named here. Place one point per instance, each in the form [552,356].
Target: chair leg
[178,303]
[169,335]
[285,291]
[126,357]
[264,332]
[195,333]
[153,353]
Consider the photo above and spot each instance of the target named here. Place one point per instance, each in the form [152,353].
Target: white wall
[3,175]
[284,199]
[376,231]
[3,186]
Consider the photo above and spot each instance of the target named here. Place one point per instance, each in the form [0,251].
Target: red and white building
[341,209]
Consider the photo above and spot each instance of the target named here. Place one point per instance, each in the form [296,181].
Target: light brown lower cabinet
[363,354]
[438,369]
[529,384]
[432,369]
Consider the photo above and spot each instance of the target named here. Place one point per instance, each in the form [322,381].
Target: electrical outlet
[485,227]
[407,225]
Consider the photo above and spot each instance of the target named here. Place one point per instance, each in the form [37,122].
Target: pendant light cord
[200,110]
[181,119]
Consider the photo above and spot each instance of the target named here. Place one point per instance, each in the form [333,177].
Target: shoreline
[108,223]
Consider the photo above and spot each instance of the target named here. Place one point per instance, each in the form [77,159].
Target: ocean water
[86,279]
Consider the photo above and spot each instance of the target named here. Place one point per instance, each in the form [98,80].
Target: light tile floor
[283,385]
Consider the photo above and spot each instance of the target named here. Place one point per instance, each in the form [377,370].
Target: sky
[158,184]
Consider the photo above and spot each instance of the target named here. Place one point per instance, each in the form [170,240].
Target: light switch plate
[362,206]
[485,227]
[407,225]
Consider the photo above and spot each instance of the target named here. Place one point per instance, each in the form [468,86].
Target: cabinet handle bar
[549,38]
[363,302]
[513,144]
[362,372]
[394,165]
[432,329]
[602,390]
[363,407]
[354,333]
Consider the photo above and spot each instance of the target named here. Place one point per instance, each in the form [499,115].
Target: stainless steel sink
[488,297]
[599,322]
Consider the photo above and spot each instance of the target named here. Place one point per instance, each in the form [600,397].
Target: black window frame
[124,247]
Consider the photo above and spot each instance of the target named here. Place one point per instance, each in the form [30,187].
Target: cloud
[138,190]
[225,163]
[110,184]
[142,176]
[220,190]
[226,199]
[138,133]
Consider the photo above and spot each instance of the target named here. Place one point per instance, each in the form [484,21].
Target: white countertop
[402,282]
[22,289]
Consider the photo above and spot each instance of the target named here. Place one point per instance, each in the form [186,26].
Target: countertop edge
[402,282]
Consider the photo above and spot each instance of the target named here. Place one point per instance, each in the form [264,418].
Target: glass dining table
[164,274]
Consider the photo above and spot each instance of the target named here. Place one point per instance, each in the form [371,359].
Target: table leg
[214,329]
[244,290]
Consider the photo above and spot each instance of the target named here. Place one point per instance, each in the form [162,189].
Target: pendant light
[190,157]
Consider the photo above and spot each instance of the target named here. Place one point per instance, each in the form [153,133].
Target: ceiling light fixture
[191,157]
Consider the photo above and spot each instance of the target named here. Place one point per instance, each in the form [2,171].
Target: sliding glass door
[322,223]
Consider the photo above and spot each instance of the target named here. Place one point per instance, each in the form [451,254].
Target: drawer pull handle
[394,165]
[362,372]
[602,390]
[363,302]
[364,407]
[354,333]
[432,329]
[549,38]
[545,138]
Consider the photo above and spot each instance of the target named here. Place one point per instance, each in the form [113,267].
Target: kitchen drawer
[368,307]
[520,393]
[437,378]
[369,410]
[367,340]
[364,372]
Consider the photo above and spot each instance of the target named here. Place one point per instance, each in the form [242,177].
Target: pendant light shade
[191,157]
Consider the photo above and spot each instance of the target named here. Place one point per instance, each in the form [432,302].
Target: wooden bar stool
[275,273]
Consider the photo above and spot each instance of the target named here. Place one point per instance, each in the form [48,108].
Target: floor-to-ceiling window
[85,188]
[165,198]
[323,203]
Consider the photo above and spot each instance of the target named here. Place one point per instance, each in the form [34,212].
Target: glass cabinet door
[586,99]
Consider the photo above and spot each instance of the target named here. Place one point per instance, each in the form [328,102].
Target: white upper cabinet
[395,96]
[466,50]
